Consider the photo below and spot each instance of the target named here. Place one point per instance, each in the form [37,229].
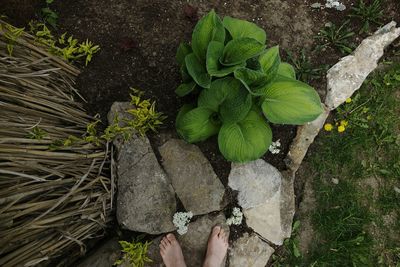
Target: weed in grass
[368,14]
[336,37]
[304,69]
[291,255]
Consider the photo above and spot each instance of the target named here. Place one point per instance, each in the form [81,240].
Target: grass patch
[350,216]
[357,181]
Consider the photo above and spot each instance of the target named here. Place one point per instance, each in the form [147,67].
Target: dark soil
[139,38]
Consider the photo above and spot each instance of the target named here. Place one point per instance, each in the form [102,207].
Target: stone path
[146,193]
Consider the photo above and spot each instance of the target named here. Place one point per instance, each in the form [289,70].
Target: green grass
[305,71]
[336,37]
[357,221]
[368,14]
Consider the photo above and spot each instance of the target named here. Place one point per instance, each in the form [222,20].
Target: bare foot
[216,248]
[171,252]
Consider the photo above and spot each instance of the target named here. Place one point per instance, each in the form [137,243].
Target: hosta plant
[241,86]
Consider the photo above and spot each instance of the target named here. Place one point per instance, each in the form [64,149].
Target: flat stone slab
[192,177]
[249,251]
[256,182]
[267,198]
[146,200]
[193,243]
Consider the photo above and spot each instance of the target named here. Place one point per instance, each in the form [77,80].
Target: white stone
[266,219]
[347,76]
[256,182]
[250,251]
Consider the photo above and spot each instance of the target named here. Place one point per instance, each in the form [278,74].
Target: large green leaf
[246,140]
[250,78]
[197,124]
[184,73]
[239,50]
[185,88]
[198,71]
[270,60]
[214,96]
[214,67]
[289,101]
[183,51]
[237,103]
[286,70]
[209,28]
[240,28]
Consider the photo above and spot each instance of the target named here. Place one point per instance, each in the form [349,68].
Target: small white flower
[236,218]
[181,220]
[274,148]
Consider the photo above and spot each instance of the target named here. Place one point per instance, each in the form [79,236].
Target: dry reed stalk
[52,198]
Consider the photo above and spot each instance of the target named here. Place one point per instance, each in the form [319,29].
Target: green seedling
[336,37]
[368,14]
[304,69]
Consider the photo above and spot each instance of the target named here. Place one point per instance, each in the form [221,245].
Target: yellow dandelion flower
[348,100]
[344,123]
[341,129]
[328,127]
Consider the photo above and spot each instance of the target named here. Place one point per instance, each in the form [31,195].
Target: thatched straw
[52,198]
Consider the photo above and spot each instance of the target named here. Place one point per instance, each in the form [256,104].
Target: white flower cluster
[274,148]
[181,220]
[236,218]
[330,4]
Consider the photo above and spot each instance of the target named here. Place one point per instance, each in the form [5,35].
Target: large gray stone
[249,251]
[256,182]
[349,73]
[193,243]
[192,177]
[146,200]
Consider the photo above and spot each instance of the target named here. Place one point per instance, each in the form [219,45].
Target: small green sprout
[336,37]
[11,33]
[48,14]
[135,253]
[65,46]
[368,14]
[37,133]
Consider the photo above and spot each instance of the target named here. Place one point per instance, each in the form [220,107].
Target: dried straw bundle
[51,199]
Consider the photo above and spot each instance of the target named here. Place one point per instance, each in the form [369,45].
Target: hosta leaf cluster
[241,86]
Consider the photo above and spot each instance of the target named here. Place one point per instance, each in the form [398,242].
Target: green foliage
[368,14]
[48,14]
[65,46]
[37,133]
[290,254]
[11,34]
[240,84]
[305,71]
[135,253]
[143,118]
[336,37]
